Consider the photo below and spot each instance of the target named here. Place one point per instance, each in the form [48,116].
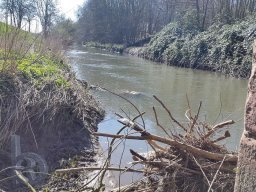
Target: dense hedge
[222,48]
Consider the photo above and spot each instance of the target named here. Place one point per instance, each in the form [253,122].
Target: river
[222,97]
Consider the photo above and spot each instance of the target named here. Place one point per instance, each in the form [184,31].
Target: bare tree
[18,11]
[31,12]
[46,11]
[125,21]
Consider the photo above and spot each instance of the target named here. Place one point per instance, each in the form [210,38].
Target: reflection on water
[223,98]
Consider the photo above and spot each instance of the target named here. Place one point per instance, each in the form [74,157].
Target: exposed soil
[53,122]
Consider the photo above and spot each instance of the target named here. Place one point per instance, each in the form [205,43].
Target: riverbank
[113,48]
[51,115]
[222,48]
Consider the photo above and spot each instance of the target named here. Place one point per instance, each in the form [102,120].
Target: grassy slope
[38,66]
[7,29]
[225,48]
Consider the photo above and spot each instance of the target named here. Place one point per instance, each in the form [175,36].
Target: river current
[223,98]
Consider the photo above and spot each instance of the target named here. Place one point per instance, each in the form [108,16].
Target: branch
[195,118]
[218,126]
[170,114]
[119,136]
[137,155]
[24,180]
[226,135]
[178,145]
[78,169]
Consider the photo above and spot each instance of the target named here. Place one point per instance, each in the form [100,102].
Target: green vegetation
[32,57]
[115,48]
[8,30]
[38,92]
[41,69]
[201,34]
[65,28]
[222,48]
[37,68]
[39,65]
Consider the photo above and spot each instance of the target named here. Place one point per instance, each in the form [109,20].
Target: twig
[218,126]
[78,169]
[170,114]
[227,134]
[196,118]
[107,162]
[154,144]
[158,124]
[189,108]
[215,176]
[201,170]
[24,180]
[137,155]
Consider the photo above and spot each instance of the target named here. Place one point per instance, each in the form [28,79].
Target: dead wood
[218,126]
[187,157]
[182,146]
[79,169]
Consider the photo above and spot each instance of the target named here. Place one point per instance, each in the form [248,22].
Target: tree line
[18,11]
[126,21]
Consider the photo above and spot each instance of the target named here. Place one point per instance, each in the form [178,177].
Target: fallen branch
[171,164]
[226,135]
[177,153]
[218,126]
[179,145]
[78,169]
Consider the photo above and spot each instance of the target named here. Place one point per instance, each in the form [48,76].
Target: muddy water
[222,97]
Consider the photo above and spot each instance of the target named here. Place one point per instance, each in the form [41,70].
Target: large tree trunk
[246,171]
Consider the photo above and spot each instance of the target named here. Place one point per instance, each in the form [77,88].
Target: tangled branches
[189,159]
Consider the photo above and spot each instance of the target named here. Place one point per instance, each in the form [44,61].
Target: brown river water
[223,98]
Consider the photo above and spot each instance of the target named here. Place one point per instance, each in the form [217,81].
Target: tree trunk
[246,171]
[29,25]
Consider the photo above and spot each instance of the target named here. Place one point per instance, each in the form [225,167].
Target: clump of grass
[41,69]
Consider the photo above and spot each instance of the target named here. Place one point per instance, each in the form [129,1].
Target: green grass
[41,69]
[38,66]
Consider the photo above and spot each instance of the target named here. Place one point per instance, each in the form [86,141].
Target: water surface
[223,98]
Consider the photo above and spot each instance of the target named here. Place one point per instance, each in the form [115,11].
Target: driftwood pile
[187,159]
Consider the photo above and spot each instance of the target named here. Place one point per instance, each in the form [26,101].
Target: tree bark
[246,171]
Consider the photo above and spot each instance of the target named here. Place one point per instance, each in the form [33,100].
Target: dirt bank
[52,115]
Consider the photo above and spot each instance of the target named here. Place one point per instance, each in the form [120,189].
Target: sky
[69,7]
